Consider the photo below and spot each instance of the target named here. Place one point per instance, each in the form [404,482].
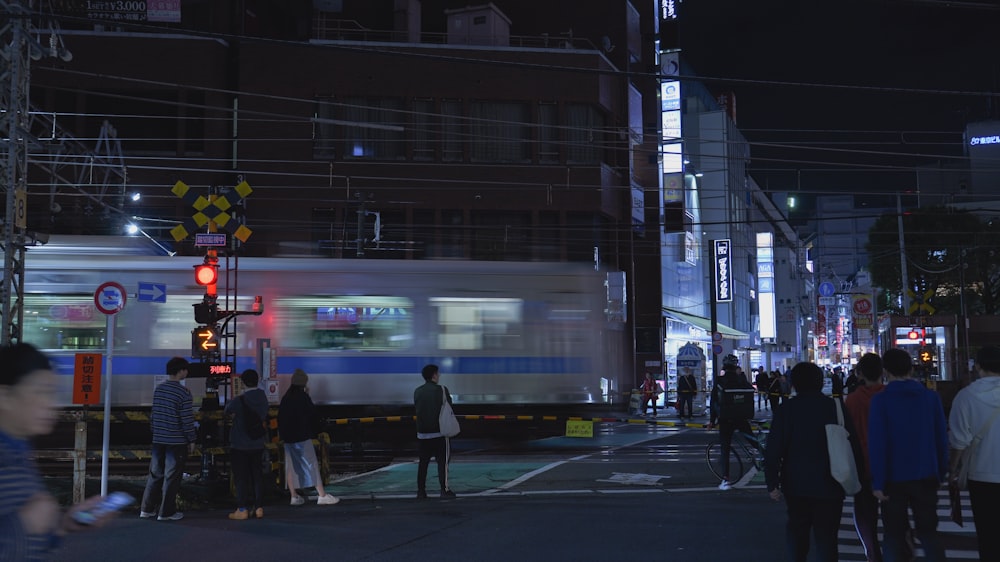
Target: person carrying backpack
[731,407]
[249,412]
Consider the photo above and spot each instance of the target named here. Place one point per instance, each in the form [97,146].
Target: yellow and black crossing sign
[920,303]
[214,210]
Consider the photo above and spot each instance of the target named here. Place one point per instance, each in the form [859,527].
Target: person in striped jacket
[172,422]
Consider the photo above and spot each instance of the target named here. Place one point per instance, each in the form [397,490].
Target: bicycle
[741,453]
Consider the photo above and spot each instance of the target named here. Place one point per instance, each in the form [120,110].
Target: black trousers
[985,498]
[920,497]
[440,449]
[819,518]
[726,430]
[248,477]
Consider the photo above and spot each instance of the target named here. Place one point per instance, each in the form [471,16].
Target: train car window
[71,322]
[479,323]
[345,323]
[170,323]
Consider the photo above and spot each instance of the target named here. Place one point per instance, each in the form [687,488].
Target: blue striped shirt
[19,482]
[172,419]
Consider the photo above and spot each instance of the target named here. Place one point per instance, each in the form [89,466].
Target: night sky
[861,91]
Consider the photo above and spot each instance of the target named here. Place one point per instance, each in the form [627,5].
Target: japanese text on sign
[87,378]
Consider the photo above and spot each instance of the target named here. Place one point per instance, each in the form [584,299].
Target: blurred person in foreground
[908,456]
[974,412]
[31,522]
[797,466]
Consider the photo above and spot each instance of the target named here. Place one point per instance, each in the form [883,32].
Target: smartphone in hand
[114,502]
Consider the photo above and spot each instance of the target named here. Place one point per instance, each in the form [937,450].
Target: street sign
[826,289]
[87,378]
[152,292]
[717,349]
[210,239]
[716,337]
[110,298]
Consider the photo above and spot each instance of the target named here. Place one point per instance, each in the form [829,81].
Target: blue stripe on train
[129,365]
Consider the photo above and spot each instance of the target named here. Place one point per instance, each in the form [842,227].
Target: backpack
[251,421]
[736,403]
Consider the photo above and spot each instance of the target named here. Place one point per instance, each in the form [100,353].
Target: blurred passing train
[502,333]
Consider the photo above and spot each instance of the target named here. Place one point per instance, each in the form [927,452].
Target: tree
[947,252]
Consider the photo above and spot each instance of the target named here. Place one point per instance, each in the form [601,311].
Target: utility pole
[14,99]
[904,294]
[18,125]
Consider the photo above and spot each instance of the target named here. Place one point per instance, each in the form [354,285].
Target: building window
[422,130]
[584,134]
[451,131]
[378,134]
[500,132]
[548,133]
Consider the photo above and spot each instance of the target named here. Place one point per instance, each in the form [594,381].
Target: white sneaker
[328,499]
[725,485]
[147,514]
[177,516]
[297,500]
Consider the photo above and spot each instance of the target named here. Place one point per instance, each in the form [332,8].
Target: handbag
[446,419]
[965,460]
[838,445]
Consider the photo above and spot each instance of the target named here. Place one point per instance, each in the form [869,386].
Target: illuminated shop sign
[976,141]
[668,9]
[723,271]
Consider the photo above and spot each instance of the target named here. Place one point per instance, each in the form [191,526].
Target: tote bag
[838,444]
[446,419]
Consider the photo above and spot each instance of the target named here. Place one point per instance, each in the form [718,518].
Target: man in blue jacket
[908,451]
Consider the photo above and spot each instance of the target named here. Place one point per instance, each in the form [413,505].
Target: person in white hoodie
[975,411]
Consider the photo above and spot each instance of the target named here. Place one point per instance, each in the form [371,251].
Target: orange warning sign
[87,378]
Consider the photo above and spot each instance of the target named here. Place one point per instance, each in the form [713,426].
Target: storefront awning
[705,324]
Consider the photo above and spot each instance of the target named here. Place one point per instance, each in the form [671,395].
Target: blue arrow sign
[152,292]
[826,289]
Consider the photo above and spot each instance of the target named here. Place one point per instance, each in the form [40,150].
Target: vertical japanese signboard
[723,271]
[87,378]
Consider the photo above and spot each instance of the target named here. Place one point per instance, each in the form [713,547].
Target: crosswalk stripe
[851,549]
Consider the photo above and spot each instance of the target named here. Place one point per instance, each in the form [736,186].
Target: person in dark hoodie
[247,452]
[797,466]
[908,456]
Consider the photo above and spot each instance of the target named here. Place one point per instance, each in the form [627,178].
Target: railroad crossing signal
[920,302]
[926,355]
[214,210]
[205,342]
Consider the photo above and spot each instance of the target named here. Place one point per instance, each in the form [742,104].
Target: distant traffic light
[926,355]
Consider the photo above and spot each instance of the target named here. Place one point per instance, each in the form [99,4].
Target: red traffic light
[205,274]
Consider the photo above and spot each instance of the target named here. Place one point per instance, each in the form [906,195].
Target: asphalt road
[632,492]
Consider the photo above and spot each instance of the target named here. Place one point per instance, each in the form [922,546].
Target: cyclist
[732,407]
